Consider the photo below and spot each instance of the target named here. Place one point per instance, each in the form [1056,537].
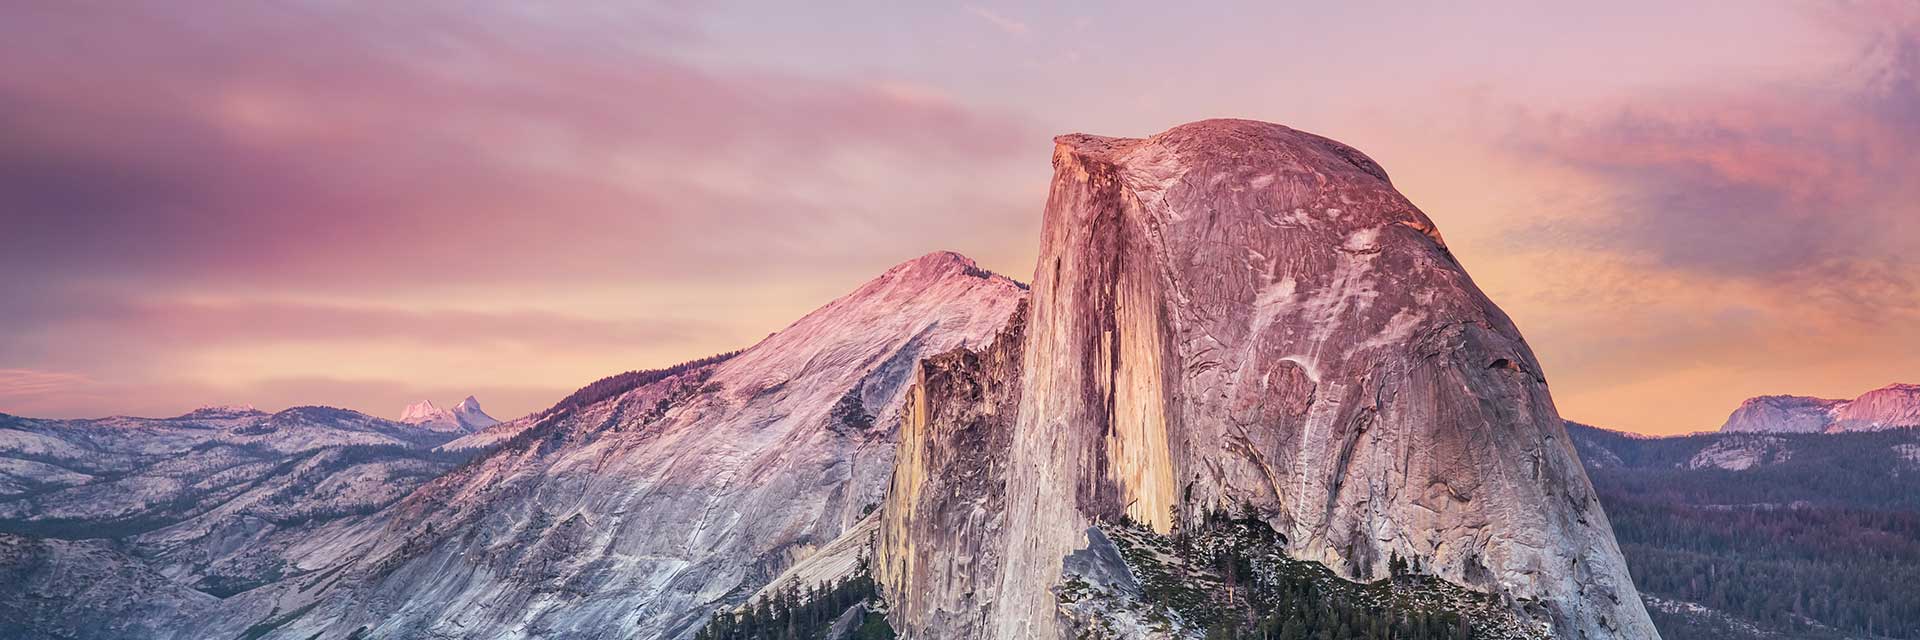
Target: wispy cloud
[21,383]
[1008,25]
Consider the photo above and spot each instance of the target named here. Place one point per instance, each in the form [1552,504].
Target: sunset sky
[285,203]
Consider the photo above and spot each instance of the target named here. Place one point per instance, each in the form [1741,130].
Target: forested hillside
[1772,536]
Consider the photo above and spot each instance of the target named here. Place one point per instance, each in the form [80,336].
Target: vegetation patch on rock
[1230,578]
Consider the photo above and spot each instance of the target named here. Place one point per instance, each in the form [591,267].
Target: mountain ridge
[1892,406]
[638,509]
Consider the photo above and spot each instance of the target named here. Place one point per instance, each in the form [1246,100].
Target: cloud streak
[1807,190]
[1006,25]
[23,383]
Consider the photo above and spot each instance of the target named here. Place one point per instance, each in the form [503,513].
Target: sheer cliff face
[944,524]
[1236,312]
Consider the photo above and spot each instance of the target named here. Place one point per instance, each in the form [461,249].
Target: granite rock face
[943,529]
[1237,313]
[1782,414]
[1891,407]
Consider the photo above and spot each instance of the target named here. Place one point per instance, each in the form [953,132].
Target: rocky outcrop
[1238,313]
[1890,407]
[1741,452]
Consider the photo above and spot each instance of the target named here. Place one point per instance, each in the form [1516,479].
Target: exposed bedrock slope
[640,511]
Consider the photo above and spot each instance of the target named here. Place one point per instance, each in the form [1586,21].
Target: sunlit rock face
[638,514]
[466,417]
[1782,414]
[943,529]
[1890,407]
[1234,312]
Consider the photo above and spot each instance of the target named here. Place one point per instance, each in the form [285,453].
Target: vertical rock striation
[1228,313]
[945,517]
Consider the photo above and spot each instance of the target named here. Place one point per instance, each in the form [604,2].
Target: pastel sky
[365,204]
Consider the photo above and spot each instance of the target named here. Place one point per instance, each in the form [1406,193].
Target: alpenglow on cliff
[1234,316]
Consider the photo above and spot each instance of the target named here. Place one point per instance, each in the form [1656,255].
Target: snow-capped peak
[420,411]
[465,416]
[470,415]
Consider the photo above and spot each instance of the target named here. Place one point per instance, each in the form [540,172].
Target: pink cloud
[173,174]
[425,146]
[1806,188]
[19,383]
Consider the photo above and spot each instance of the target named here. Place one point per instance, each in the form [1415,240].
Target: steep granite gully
[1233,315]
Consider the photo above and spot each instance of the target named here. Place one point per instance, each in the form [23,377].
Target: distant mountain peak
[466,416]
[1893,406]
[943,257]
[223,411]
[471,416]
[936,266]
[419,411]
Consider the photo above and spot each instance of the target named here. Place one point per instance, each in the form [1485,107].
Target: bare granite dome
[1235,312]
